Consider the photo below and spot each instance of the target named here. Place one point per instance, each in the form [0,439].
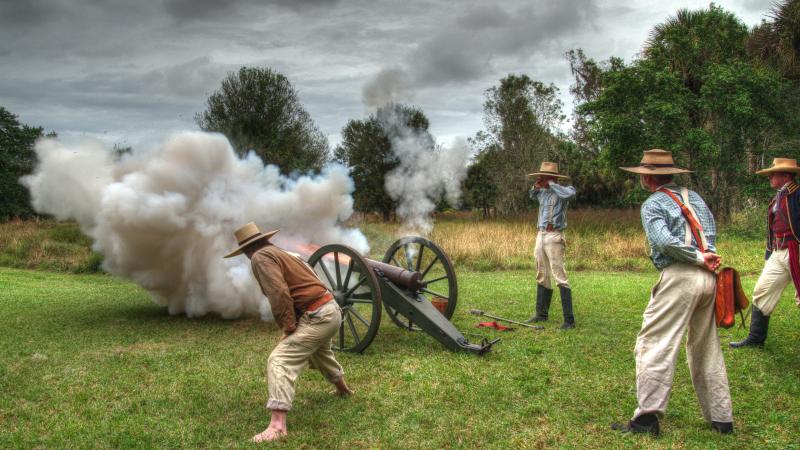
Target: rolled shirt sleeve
[563,192]
[270,277]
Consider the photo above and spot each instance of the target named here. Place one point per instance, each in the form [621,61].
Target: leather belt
[549,227]
[319,302]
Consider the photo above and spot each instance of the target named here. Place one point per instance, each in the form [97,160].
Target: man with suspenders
[306,312]
[550,242]
[682,299]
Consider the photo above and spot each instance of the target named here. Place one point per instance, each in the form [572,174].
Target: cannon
[415,282]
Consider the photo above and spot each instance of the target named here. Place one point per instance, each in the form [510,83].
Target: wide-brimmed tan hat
[656,162]
[548,169]
[247,235]
[781,165]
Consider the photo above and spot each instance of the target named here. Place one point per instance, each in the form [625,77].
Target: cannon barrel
[410,279]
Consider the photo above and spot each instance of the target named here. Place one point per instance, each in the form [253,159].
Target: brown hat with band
[548,169]
[247,235]
[781,165]
[656,162]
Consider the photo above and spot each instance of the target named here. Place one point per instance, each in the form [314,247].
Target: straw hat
[781,165]
[548,169]
[247,235]
[656,162]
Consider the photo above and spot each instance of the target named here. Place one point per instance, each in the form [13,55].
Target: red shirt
[780,227]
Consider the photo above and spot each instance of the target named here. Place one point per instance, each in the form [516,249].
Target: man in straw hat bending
[683,298]
[550,242]
[782,266]
[306,312]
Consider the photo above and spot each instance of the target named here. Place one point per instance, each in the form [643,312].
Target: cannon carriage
[415,283]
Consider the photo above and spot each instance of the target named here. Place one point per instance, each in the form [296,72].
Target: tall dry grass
[605,240]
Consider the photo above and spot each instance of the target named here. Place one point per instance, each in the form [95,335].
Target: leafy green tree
[367,149]
[695,93]
[479,187]
[17,159]
[258,109]
[521,117]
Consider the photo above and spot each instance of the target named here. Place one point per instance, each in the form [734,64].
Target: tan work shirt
[289,284]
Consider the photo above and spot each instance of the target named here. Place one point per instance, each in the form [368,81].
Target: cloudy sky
[132,72]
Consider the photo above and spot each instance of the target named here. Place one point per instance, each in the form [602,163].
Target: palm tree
[777,40]
[688,41]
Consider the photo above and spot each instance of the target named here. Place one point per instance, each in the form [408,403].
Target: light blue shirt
[553,205]
[665,227]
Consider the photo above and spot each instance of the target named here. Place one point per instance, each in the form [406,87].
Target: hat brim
[540,174]
[250,241]
[655,170]
[778,169]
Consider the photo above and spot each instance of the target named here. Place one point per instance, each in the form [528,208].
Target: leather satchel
[730,297]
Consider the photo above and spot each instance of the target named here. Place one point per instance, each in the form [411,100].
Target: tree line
[720,96]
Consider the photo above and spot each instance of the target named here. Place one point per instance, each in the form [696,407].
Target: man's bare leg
[276,428]
[341,388]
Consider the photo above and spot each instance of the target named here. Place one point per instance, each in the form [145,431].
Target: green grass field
[90,361]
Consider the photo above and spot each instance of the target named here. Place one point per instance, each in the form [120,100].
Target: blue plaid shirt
[665,227]
[555,199]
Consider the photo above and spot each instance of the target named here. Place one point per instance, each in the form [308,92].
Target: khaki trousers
[549,253]
[310,342]
[773,280]
[683,298]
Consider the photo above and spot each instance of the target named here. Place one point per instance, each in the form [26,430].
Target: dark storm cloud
[141,69]
[466,48]
[215,9]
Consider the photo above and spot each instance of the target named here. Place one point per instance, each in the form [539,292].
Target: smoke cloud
[426,173]
[390,85]
[165,218]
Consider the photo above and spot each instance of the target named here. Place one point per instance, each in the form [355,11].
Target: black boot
[566,306]
[759,324]
[646,423]
[722,427]
[543,297]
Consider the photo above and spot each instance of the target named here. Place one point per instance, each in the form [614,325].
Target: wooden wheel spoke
[327,274]
[349,272]
[341,336]
[353,289]
[338,272]
[430,266]
[426,283]
[407,248]
[365,298]
[358,316]
[352,327]
[419,257]
[394,260]
[433,293]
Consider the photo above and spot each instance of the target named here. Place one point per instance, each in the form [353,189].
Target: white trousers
[773,280]
[682,299]
[310,343]
[549,253]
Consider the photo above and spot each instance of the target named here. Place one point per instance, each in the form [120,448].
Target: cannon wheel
[355,288]
[438,275]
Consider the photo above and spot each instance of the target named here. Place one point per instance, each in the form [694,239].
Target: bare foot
[270,434]
[342,389]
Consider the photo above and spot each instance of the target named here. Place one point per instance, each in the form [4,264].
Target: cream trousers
[773,280]
[683,298]
[549,253]
[310,342]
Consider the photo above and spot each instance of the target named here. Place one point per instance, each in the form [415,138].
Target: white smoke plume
[165,218]
[426,173]
[391,85]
